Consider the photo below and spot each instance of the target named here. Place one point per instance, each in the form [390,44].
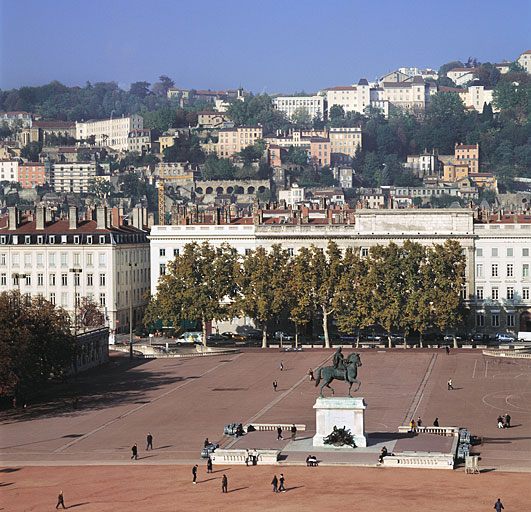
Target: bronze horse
[329,373]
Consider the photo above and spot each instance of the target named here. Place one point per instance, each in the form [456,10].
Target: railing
[239,457]
[440,431]
[507,353]
[273,426]
[426,461]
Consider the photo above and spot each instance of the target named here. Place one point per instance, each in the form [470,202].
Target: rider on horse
[339,362]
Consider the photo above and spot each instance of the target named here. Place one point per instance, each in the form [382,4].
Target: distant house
[461,76]
[525,60]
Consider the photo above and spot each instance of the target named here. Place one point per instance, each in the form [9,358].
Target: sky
[262,45]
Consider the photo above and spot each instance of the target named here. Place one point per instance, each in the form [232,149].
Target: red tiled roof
[62,226]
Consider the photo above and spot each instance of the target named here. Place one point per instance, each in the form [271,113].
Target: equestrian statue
[341,369]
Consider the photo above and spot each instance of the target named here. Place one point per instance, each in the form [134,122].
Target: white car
[505,338]
[190,338]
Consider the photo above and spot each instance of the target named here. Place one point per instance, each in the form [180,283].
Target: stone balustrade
[240,457]
[419,461]
[273,426]
[440,431]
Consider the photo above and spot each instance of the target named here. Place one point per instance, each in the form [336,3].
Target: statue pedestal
[340,412]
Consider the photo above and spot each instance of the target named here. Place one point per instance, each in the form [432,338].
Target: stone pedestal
[340,412]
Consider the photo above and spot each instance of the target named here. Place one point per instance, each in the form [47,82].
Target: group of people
[311,461]
[413,425]
[278,483]
[504,421]
[149,446]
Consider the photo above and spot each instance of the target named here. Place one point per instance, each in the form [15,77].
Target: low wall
[148,352]
[440,431]
[513,354]
[419,461]
[273,426]
[241,457]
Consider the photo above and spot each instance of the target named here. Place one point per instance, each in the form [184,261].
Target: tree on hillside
[31,151]
[199,285]
[262,286]
[161,87]
[218,168]
[140,89]
[301,117]
[450,65]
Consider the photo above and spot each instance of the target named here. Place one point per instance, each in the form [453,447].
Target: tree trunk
[455,342]
[325,328]
[296,335]
[389,341]
[204,333]
[405,340]
[264,335]
[420,341]
[358,340]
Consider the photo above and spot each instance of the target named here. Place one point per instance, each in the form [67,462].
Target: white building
[476,97]
[65,260]
[8,170]
[461,76]
[18,118]
[525,60]
[139,141]
[352,98]
[113,133]
[72,176]
[292,196]
[314,106]
[344,175]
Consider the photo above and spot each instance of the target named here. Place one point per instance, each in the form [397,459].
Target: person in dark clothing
[507,421]
[209,465]
[310,373]
[60,500]
[447,349]
[436,422]
[275,385]
[281,487]
[293,432]
[281,366]
[274,483]
[206,443]
[224,484]
[419,422]
[134,451]
[498,506]
[279,433]
[194,474]
[149,441]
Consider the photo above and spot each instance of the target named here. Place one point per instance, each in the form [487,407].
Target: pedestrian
[274,483]
[281,366]
[500,422]
[206,443]
[293,432]
[224,483]
[275,384]
[149,441]
[507,421]
[209,465]
[310,373]
[498,506]
[60,500]
[281,487]
[449,384]
[412,426]
[419,422]
[134,451]
[194,474]
[279,433]
[436,422]
[447,350]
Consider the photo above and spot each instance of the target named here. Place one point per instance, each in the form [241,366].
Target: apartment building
[525,60]
[461,76]
[233,140]
[412,95]
[353,98]
[64,260]
[476,97]
[42,131]
[16,118]
[139,140]
[9,170]
[32,174]
[113,133]
[314,106]
[344,143]
[72,176]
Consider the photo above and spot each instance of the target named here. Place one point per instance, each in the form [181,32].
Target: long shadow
[79,504]
[5,484]
[238,489]
[162,447]
[288,489]
[221,470]
[9,470]
[207,480]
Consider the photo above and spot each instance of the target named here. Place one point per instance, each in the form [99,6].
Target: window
[525,270]
[3,280]
[3,259]
[102,259]
[52,298]
[102,279]
[102,239]
[290,251]
[90,259]
[76,239]
[2,239]
[176,252]
[40,279]
[51,239]
[15,259]
[52,279]
[494,252]
[27,239]
[76,279]
[51,259]
[162,269]
[525,293]
[162,252]
[510,320]
[364,252]
[90,279]
[480,320]
[77,299]
[510,270]
[494,270]
[63,239]
[64,279]
[40,259]
[525,253]
[102,299]
[510,292]
[64,299]
[494,293]
[495,320]
[479,293]
[27,259]
[64,259]
[479,270]
[40,239]
[15,239]
[28,279]
[510,252]
[89,239]
[77,259]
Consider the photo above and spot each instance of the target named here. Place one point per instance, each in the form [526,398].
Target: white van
[190,338]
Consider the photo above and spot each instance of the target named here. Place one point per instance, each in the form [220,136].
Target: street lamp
[131,267]
[76,272]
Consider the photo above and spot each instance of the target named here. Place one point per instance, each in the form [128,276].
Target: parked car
[189,338]
[208,449]
[479,338]
[216,338]
[503,337]
[233,336]
[283,336]
[449,338]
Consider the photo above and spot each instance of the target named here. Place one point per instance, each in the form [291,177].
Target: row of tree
[411,288]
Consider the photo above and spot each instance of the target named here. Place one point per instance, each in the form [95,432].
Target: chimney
[72,217]
[101,217]
[117,215]
[40,215]
[13,217]
[136,217]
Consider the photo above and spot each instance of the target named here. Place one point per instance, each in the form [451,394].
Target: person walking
[281,366]
[274,483]
[60,500]
[279,433]
[507,421]
[436,422]
[500,421]
[310,373]
[412,426]
[224,484]
[281,481]
[419,422]
[447,350]
[449,384]
[498,506]
[149,441]
[209,465]
[275,385]
[293,432]
[194,474]
[134,451]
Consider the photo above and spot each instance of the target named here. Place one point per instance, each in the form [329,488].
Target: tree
[297,156]
[218,168]
[101,188]
[262,286]
[252,153]
[301,117]
[162,86]
[198,285]
[31,151]
[140,89]
[450,65]
[89,314]
[36,344]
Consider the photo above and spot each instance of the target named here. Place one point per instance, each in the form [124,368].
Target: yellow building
[454,172]
[469,155]
[233,140]
[166,141]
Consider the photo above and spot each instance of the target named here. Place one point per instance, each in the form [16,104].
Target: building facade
[139,140]
[32,174]
[72,176]
[314,106]
[233,140]
[65,260]
[344,143]
[113,133]
[9,170]
[525,60]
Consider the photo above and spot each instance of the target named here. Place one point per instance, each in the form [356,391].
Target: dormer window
[76,239]
[63,239]
[39,239]
[2,239]
[52,239]
[89,239]
[27,239]
[102,239]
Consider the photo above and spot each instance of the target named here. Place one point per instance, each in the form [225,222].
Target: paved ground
[169,489]
[183,401]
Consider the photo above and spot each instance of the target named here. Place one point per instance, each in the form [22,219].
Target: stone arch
[199,190]
[230,190]
[209,190]
[239,190]
[261,189]
[251,190]
[219,191]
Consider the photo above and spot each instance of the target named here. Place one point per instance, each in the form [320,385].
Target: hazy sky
[267,45]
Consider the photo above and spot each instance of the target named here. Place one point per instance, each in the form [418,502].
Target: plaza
[50,446]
